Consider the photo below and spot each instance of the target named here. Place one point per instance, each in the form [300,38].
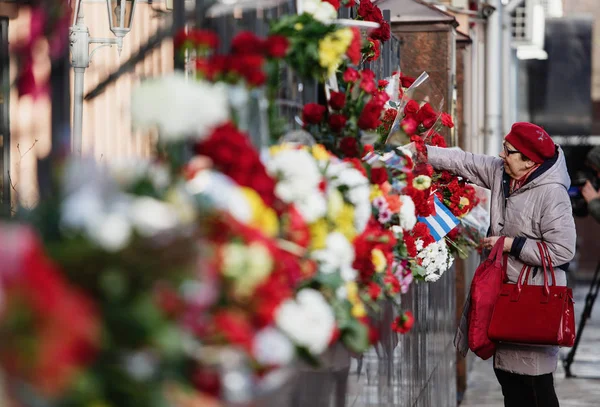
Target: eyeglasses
[509,152]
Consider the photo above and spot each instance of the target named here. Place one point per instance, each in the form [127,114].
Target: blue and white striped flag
[442,222]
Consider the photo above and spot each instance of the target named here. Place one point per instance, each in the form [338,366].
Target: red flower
[354,50]
[404,323]
[374,50]
[246,42]
[367,82]
[438,140]
[357,163]
[421,231]
[351,75]
[447,120]
[374,290]
[369,117]
[276,46]
[392,283]
[350,3]
[382,84]
[409,242]
[411,108]
[337,100]
[368,148]
[379,175]
[406,81]
[427,116]
[337,122]
[313,113]
[349,146]
[204,38]
[383,33]
[207,381]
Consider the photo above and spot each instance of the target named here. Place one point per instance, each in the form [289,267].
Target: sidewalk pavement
[484,391]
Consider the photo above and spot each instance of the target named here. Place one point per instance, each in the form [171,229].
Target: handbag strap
[546,256]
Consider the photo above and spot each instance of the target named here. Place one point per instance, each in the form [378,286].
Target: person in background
[591,196]
[529,203]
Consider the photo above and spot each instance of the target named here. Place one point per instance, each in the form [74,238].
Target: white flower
[342,174]
[272,348]
[221,192]
[111,232]
[435,259]
[309,320]
[407,216]
[180,107]
[337,256]
[81,208]
[422,182]
[151,216]
[320,10]
[298,178]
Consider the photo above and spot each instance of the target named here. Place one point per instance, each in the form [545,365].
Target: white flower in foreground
[434,259]
[407,216]
[309,320]
[343,174]
[320,10]
[179,107]
[272,348]
[111,232]
[337,256]
[151,216]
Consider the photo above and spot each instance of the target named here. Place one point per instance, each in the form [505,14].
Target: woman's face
[514,165]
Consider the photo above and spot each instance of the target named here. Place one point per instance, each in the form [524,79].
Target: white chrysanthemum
[407,216]
[272,348]
[308,321]
[298,180]
[435,259]
[320,10]
[337,256]
[179,107]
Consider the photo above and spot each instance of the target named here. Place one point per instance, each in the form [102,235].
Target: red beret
[532,141]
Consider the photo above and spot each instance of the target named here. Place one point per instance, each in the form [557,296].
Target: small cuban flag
[440,223]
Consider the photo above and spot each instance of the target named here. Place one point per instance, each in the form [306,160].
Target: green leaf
[356,336]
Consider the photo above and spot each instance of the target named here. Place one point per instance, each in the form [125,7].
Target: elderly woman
[529,203]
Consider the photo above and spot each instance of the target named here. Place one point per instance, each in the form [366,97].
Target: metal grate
[519,23]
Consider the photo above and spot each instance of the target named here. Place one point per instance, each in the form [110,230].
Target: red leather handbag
[534,315]
[485,288]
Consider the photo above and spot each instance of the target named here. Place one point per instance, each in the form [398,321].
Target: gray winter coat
[539,210]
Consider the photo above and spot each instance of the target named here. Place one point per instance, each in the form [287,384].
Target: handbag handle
[545,257]
[548,261]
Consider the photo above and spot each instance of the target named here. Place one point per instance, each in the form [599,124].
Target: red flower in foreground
[313,113]
[403,323]
[337,100]
[379,175]
[354,50]
[246,42]
[447,120]
[374,291]
[351,75]
[276,46]
[334,3]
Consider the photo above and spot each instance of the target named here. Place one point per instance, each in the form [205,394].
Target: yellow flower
[345,222]
[333,47]
[263,218]
[375,192]
[320,153]
[335,203]
[298,26]
[352,292]
[246,266]
[422,182]
[464,201]
[318,234]
[358,310]
[379,261]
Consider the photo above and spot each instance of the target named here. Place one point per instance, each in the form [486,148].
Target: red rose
[379,175]
[409,125]
[337,122]
[276,46]
[367,81]
[351,75]
[246,42]
[354,50]
[180,39]
[447,120]
[369,117]
[337,100]
[368,148]
[350,3]
[404,323]
[334,3]
[438,140]
[382,84]
[427,116]
[349,146]
[411,108]
[406,81]
[313,113]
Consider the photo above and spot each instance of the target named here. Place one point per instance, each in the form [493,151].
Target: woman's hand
[489,242]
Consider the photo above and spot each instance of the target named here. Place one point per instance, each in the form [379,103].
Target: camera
[578,203]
